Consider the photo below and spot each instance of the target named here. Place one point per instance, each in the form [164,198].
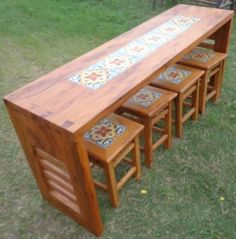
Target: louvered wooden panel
[57,179]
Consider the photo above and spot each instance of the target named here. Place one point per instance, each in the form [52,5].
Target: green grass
[185,184]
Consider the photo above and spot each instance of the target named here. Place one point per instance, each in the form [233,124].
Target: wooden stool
[108,143]
[184,81]
[149,106]
[213,65]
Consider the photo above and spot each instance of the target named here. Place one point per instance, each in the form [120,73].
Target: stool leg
[168,126]
[136,158]
[179,116]
[111,184]
[148,141]
[221,78]
[195,101]
[218,80]
[203,93]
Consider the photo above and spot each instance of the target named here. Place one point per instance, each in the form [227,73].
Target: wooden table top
[91,86]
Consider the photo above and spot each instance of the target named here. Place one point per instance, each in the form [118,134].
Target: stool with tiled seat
[213,64]
[185,82]
[108,143]
[149,106]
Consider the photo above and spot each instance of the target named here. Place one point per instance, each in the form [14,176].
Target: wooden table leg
[222,37]
[179,116]
[60,166]
[202,93]
[136,158]
[148,141]
[168,126]
[195,102]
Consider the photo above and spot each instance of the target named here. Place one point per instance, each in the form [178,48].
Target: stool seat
[177,78]
[108,143]
[109,136]
[148,101]
[213,64]
[149,106]
[185,81]
[203,58]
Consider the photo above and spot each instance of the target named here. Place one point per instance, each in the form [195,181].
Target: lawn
[191,189]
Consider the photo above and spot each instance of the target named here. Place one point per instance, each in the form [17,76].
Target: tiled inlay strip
[106,69]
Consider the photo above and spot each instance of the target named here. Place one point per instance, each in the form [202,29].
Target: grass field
[191,189]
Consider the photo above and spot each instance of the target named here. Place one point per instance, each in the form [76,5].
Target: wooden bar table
[52,114]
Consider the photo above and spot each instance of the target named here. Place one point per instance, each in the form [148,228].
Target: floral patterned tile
[108,68]
[174,75]
[200,54]
[105,132]
[145,97]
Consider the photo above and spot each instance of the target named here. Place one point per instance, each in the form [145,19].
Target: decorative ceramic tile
[106,69]
[174,75]
[200,54]
[105,132]
[145,97]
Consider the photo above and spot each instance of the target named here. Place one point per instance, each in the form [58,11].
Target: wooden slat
[65,201]
[188,104]
[54,186]
[127,176]
[159,142]
[50,158]
[123,154]
[158,129]
[214,71]
[210,95]
[128,160]
[210,88]
[51,176]
[100,185]
[188,92]
[159,116]
[60,172]
[188,114]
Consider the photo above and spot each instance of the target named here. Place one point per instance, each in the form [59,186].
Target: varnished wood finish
[220,84]
[161,109]
[211,86]
[108,158]
[151,111]
[119,144]
[52,113]
[50,151]
[188,88]
[184,85]
[210,64]
[55,98]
